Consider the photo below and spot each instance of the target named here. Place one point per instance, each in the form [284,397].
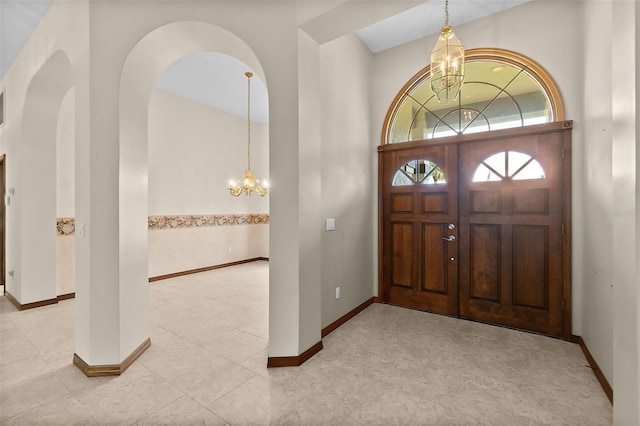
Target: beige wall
[593,200]
[348,178]
[194,150]
[65,264]
[183,249]
[624,236]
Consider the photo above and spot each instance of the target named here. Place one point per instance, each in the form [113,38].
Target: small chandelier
[447,63]
[249,183]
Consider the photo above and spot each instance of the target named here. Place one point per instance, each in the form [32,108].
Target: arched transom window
[502,89]
[508,165]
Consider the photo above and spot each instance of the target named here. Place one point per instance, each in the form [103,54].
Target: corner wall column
[626,292]
[111,278]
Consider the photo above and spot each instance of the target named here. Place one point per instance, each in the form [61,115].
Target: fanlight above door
[419,171]
[502,89]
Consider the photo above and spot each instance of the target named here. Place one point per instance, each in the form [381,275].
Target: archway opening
[49,99]
[158,130]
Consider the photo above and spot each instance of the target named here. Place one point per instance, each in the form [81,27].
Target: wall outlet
[230,249]
[337,293]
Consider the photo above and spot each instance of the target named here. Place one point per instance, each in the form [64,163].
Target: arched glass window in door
[511,165]
[424,172]
[502,89]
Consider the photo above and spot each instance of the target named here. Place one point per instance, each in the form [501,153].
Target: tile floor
[207,366]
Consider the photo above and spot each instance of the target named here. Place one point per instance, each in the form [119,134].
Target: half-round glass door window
[501,89]
[510,165]
[419,171]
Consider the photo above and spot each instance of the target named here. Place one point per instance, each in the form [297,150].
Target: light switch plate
[330,224]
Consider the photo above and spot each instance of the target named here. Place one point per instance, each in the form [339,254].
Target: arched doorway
[197,142]
[49,90]
[476,221]
[152,54]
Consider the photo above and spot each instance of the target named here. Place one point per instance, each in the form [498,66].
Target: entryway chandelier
[447,63]
[249,183]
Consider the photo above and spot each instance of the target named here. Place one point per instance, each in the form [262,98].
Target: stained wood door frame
[561,126]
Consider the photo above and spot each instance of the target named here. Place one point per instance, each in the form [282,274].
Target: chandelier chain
[249,120]
[446,13]
[249,183]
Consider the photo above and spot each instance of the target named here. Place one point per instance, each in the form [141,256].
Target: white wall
[593,199]
[65,194]
[349,184]
[194,150]
[624,154]
[183,249]
[65,157]
[608,180]
[309,187]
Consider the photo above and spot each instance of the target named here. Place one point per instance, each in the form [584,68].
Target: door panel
[511,236]
[530,272]
[402,249]
[418,270]
[434,258]
[484,262]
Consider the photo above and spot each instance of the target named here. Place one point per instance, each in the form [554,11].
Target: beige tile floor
[206,366]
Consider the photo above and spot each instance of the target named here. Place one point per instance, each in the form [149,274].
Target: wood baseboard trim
[39,303]
[346,317]
[294,361]
[110,370]
[31,305]
[606,387]
[67,296]
[205,269]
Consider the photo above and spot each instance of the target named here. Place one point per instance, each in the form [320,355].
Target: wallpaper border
[66,225]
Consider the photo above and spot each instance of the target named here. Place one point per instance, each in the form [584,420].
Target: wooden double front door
[477,227]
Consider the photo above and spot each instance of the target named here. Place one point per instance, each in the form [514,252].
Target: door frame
[559,126]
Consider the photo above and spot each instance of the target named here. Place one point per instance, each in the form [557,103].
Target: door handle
[450,238]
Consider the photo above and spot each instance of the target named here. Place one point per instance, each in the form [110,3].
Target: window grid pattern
[502,90]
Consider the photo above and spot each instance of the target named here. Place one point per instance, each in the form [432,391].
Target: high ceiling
[218,80]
